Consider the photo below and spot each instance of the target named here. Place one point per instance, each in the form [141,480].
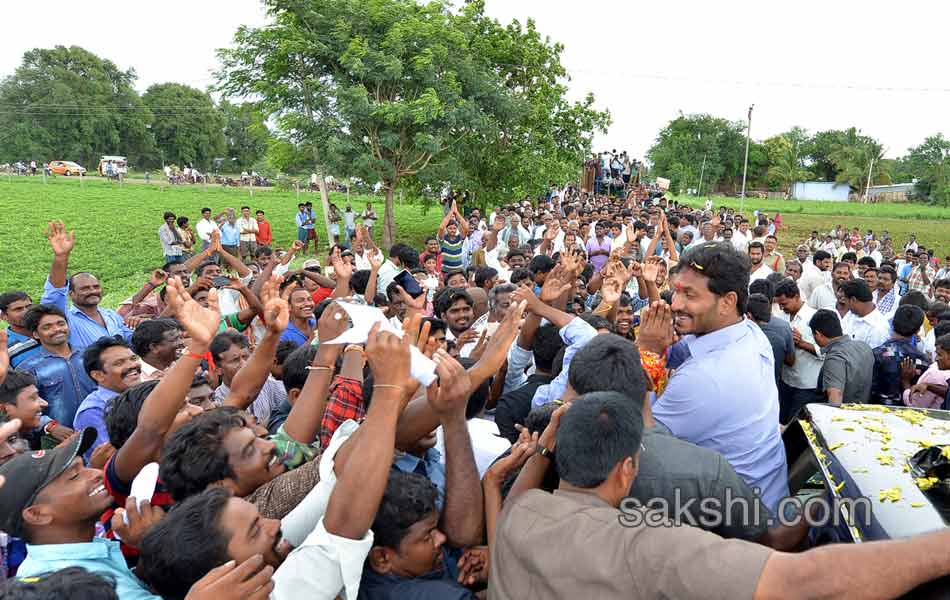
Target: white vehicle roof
[112,158]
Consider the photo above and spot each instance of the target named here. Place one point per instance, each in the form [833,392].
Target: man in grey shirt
[778,332]
[848,368]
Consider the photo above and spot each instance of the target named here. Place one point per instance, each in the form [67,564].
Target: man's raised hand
[60,240]
[200,323]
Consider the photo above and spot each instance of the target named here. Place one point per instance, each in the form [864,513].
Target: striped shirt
[451,253]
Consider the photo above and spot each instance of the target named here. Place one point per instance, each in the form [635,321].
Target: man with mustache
[58,368]
[115,368]
[87,321]
[701,403]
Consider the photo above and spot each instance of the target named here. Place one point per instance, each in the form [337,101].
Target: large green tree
[69,104]
[785,161]
[930,164]
[680,147]
[245,133]
[858,159]
[188,127]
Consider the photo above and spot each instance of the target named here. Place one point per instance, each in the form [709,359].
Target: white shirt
[249,224]
[873,328]
[761,273]
[741,241]
[322,565]
[804,374]
[823,297]
[487,443]
[204,227]
[811,279]
[349,219]
[361,261]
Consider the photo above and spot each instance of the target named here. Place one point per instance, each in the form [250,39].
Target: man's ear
[292,396]
[380,559]
[97,376]
[37,515]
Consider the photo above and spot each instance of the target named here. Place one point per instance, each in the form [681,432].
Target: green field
[931,224]
[117,227]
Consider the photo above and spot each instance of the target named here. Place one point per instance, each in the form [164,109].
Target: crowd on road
[468,418]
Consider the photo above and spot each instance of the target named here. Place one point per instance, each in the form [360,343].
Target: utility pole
[699,191]
[745,165]
[867,188]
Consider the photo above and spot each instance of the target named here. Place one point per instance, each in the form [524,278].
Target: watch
[548,454]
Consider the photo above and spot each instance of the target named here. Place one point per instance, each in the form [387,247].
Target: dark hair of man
[820,255]
[301,205]
[263,251]
[484,274]
[392,291]
[199,381]
[259,212]
[168,214]
[435,324]
[608,363]
[247,207]
[758,245]
[8,298]
[885,268]
[92,355]
[223,342]
[725,269]
[284,349]
[295,367]
[857,289]
[914,297]
[541,264]
[939,284]
[75,583]
[776,278]
[516,252]
[444,300]
[849,256]
[479,396]
[547,343]
[943,341]
[151,333]
[201,268]
[519,275]
[205,209]
[14,383]
[31,320]
[760,307]
[907,320]
[360,280]
[638,225]
[764,287]
[867,261]
[601,430]
[406,255]
[597,322]
[409,498]
[185,545]
[194,456]
[181,221]
[122,412]
[787,288]
[827,323]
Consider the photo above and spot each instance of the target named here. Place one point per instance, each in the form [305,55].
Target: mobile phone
[221,281]
[407,282]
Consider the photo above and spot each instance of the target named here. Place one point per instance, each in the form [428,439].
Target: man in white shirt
[826,295]
[741,237]
[886,298]
[815,273]
[248,227]
[205,227]
[757,268]
[864,322]
[800,381]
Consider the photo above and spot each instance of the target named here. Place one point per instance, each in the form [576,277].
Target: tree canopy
[188,127]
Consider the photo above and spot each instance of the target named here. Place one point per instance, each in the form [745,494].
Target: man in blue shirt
[87,322]
[724,396]
[304,221]
[302,323]
[58,369]
[20,344]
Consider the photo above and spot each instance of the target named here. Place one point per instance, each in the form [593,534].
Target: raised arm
[62,243]
[235,263]
[446,220]
[157,278]
[160,407]
[255,306]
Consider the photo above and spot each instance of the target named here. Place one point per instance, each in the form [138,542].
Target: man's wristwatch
[548,454]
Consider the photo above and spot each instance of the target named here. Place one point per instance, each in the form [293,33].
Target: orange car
[66,167]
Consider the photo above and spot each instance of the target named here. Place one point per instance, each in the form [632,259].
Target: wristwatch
[548,454]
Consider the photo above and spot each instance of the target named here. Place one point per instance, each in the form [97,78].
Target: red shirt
[321,294]
[263,235]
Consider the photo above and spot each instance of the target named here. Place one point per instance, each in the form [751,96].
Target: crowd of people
[492,414]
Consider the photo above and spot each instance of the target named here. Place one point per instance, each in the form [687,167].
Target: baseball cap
[308,264]
[30,472]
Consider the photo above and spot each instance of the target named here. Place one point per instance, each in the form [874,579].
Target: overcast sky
[819,65]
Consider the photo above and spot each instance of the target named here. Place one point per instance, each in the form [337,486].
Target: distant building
[821,190]
[896,192]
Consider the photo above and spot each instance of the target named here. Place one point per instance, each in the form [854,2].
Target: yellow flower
[885,459]
[834,447]
[917,504]
[891,494]
[839,486]
[925,483]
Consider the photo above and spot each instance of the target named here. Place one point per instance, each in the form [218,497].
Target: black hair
[360,280]
[758,245]
[763,287]
[75,583]
[205,209]
[201,268]
[541,264]
[295,367]
[827,323]
[759,306]
[122,412]
[849,256]
[409,498]
[725,269]
[546,345]
[8,298]
[194,456]
[940,283]
[284,349]
[519,275]
[516,252]
[775,278]
[31,320]
[223,341]
[450,274]
[867,261]
[820,255]
[857,289]
[151,333]
[886,268]
[181,221]
[185,545]
[907,320]
[447,297]
[14,383]
[168,214]
[597,321]
[435,324]
[916,298]
[608,363]
[484,274]
[600,430]
[943,341]
[263,251]
[92,355]
[406,255]
[787,288]
[479,396]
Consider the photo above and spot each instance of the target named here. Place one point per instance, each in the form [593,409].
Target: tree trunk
[325,202]
[389,219]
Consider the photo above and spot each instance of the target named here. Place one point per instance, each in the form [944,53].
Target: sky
[819,65]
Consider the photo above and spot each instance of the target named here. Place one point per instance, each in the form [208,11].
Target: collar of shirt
[582,498]
[408,463]
[101,396]
[704,344]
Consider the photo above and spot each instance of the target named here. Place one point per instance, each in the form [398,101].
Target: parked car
[65,167]
[113,166]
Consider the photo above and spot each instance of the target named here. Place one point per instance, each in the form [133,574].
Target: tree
[69,104]
[818,153]
[857,156]
[680,147]
[930,164]
[245,133]
[188,127]
[786,164]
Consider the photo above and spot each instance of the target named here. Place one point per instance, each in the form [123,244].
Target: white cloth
[823,297]
[249,224]
[322,565]
[761,273]
[741,241]
[487,443]
[873,328]
[804,374]
[204,227]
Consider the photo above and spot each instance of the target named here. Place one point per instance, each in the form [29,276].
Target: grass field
[931,224]
[116,227]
